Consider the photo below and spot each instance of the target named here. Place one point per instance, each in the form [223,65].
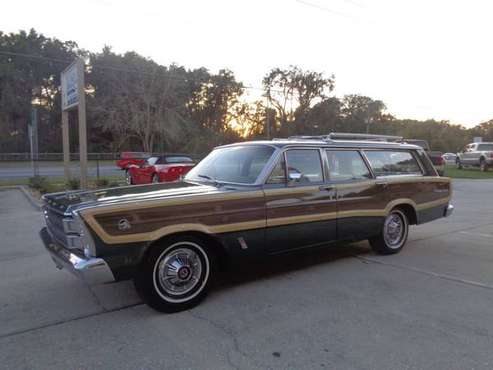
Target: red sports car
[162,168]
[131,158]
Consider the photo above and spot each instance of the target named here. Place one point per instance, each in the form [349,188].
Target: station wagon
[243,201]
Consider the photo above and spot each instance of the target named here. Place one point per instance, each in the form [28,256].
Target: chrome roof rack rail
[368,137]
[344,136]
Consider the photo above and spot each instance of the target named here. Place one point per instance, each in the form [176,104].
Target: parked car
[477,155]
[449,158]
[131,158]
[435,157]
[162,168]
[243,201]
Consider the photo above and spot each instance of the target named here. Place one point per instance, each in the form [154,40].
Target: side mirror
[294,176]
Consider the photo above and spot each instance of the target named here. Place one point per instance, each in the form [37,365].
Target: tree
[360,112]
[213,98]
[135,97]
[24,80]
[292,92]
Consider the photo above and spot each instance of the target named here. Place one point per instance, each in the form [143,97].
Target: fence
[5,157]
[57,156]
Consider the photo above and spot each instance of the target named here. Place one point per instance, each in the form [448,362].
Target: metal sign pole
[82,124]
[66,145]
[35,149]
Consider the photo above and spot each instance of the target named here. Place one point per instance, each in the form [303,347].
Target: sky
[423,58]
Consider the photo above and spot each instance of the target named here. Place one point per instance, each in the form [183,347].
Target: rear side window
[346,165]
[305,164]
[485,147]
[387,163]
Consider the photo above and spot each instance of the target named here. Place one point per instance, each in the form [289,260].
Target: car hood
[69,201]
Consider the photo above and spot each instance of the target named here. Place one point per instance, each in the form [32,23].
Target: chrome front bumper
[449,210]
[93,271]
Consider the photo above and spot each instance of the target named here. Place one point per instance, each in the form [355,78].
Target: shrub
[39,183]
[73,184]
[101,183]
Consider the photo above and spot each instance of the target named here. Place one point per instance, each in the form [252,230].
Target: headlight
[78,235]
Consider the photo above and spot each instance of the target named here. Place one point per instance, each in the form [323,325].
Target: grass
[467,173]
[58,183]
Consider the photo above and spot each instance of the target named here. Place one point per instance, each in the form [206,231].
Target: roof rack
[369,137]
[345,136]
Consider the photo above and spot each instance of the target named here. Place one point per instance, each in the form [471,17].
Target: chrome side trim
[449,210]
[92,271]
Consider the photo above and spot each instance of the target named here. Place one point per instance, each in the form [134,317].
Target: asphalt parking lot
[429,307]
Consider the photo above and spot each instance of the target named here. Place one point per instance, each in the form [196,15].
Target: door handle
[326,187]
[383,184]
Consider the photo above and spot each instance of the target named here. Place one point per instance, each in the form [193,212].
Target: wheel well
[212,243]
[410,213]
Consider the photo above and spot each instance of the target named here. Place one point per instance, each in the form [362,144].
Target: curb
[35,203]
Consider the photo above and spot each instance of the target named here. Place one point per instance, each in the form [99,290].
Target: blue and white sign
[70,91]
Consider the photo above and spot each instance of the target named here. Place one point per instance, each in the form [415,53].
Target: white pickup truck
[476,154]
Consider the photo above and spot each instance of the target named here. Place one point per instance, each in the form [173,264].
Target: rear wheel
[394,233]
[483,166]
[176,275]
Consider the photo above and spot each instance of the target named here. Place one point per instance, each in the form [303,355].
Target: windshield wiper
[211,179]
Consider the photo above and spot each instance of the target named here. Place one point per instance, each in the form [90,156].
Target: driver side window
[304,166]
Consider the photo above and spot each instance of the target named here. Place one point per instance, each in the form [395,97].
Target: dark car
[243,201]
[435,156]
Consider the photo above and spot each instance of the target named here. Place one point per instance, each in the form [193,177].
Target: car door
[361,199]
[468,154]
[144,172]
[300,204]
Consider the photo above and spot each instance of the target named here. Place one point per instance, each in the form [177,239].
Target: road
[20,170]
[429,307]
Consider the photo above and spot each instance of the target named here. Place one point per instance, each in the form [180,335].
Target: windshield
[178,159]
[152,161]
[237,164]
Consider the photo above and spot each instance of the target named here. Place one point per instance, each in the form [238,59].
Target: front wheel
[393,235]
[483,166]
[128,178]
[176,275]
[458,164]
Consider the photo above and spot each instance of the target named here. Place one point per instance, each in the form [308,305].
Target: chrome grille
[55,224]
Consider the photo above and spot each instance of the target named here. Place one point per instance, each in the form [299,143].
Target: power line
[111,68]
[319,7]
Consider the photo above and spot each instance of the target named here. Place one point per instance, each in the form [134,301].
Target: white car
[449,158]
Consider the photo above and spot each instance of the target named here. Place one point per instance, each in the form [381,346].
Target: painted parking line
[476,234]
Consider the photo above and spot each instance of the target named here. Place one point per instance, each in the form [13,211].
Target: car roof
[282,143]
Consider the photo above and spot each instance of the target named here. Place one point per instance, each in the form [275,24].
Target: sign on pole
[70,91]
[73,96]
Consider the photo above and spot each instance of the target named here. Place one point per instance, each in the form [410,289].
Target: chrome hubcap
[179,272]
[394,230]
[128,178]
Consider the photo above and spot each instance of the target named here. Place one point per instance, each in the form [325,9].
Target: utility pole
[33,141]
[82,124]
